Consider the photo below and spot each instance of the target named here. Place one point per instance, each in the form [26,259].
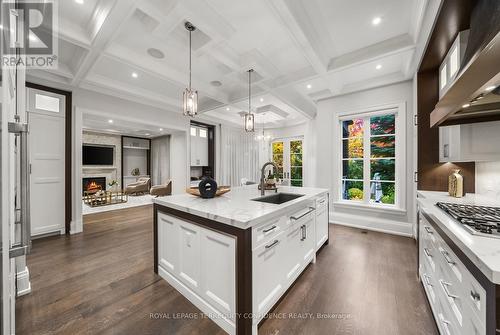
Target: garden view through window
[368,159]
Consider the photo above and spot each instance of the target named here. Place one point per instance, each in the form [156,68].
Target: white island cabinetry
[234,274]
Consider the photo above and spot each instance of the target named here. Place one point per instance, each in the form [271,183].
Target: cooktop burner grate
[479,220]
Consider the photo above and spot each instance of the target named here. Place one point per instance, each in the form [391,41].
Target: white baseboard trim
[220,319]
[23,282]
[369,223]
[76,227]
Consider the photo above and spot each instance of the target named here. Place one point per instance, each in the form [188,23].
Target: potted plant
[271,179]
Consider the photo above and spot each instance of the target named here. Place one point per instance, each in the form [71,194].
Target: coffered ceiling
[301,50]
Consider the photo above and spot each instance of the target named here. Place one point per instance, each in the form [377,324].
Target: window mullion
[366,160]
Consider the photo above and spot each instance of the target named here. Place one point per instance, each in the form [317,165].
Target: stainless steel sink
[278,198]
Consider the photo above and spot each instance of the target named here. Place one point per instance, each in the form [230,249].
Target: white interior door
[46,117]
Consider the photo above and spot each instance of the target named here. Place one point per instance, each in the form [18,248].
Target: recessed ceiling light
[466,106]
[490,88]
[378,67]
[261,99]
[147,134]
[134,75]
[110,121]
[228,109]
[309,86]
[80,2]
[376,20]
[156,53]
[161,129]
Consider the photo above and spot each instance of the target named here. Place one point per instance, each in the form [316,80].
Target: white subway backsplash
[488,179]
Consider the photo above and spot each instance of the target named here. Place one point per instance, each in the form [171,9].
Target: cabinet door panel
[292,259]
[218,270]
[268,274]
[167,243]
[189,255]
[308,241]
[321,226]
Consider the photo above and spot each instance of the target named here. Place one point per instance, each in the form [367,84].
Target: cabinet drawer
[465,285]
[267,231]
[321,203]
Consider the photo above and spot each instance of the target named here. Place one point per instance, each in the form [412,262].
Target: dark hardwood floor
[102,282]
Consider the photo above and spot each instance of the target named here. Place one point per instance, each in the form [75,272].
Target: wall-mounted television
[97,155]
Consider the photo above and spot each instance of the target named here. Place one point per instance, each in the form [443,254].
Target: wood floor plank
[102,282]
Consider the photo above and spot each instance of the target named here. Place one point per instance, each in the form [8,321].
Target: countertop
[236,208]
[483,251]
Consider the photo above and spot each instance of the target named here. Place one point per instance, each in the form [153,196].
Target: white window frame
[399,110]
[286,152]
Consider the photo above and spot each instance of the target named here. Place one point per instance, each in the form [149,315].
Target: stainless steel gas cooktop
[478,220]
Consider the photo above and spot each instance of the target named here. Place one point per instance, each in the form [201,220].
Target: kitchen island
[236,255]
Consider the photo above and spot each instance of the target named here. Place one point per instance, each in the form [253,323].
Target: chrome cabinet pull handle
[428,230]
[302,233]
[475,296]
[269,246]
[426,251]
[448,293]
[269,229]
[302,215]
[447,257]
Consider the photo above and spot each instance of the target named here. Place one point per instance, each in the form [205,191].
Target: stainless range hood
[470,98]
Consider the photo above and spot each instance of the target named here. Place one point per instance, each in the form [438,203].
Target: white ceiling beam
[389,79]
[393,46]
[105,24]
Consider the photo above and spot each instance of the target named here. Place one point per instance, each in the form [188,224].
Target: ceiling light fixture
[261,99]
[161,129]
[156,53]
[490,88]
[466,106]
[249,116]
[147,134]
[378,67]
[228,109]
[135,75]
[190,96]
[80,2]
[309,86]
[110,121]
[376,20]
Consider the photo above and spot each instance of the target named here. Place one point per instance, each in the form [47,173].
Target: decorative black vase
[207,187]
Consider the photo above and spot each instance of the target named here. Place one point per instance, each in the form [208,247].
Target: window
[454,61]
[203,132]
[368,158]
[443,77]
[193,131]
[47,103]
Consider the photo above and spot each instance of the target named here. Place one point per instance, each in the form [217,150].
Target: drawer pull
[447,257]
[428,230]
[303,232]
[427,281]
[269,246]
[426,251]
[302,215]
[448,293]
[322,201]
[269,229]
[446,325]
[475,296]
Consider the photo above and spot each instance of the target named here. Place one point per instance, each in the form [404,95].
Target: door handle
[24,247]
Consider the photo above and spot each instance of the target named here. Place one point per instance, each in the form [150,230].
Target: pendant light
[250,117]
[190,96]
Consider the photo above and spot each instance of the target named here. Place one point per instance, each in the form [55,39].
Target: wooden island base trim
[244,308]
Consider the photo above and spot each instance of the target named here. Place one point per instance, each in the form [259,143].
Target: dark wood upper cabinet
[468,99]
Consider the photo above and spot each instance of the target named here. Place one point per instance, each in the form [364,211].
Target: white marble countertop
[236,208]
[483,251]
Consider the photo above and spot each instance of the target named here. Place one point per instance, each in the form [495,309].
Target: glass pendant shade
[249,122]
[190,102]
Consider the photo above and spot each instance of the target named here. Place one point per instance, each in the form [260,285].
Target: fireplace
[93,184]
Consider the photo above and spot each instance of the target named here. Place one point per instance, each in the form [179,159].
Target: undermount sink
[278,198]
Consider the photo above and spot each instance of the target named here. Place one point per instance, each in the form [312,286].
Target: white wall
[321,130]
[488,179]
